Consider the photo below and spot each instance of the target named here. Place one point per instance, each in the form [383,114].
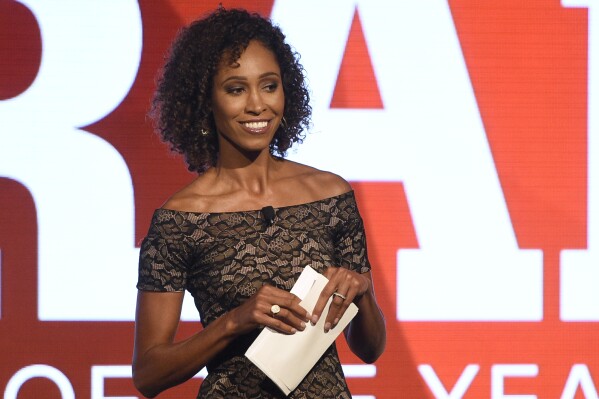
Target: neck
[250,174]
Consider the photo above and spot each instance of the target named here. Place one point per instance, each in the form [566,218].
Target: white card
[286,359]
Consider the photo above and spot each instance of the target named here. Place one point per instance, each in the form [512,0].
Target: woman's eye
[234,90]
[271,87]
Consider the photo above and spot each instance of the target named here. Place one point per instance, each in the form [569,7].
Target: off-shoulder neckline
[251,211]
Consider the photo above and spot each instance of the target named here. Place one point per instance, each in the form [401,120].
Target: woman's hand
[346,286]
[257,312]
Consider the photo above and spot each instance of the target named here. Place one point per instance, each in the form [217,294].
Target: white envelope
[286,359]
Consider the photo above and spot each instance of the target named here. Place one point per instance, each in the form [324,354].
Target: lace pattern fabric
[222,259]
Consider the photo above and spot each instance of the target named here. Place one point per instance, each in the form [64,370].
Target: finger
[323,298]
[263,317]
[286,313]
[338,297]
[341,299]
[285,320]
[278,324]
[347,288]
[291,303]
[290,319]
[275,296]
[330,272]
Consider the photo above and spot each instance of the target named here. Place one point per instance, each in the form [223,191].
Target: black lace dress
[224,258]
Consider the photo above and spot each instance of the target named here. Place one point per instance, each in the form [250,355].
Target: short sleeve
[164,255]
[350,243]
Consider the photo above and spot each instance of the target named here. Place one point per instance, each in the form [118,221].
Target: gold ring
[275,309]
[340,295]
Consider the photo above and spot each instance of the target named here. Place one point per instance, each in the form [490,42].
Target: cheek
[221,121]
[279,103]
[224,111]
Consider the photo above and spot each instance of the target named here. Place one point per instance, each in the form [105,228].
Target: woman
[232,100]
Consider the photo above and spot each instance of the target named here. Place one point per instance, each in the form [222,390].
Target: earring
[283,123]
[204,132]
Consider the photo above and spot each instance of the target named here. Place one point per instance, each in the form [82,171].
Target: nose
[255,103]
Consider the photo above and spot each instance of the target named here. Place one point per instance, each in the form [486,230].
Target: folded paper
[286,359]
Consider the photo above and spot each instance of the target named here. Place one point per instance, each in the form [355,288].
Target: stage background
[466,128]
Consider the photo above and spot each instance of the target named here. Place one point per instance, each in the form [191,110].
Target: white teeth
[256,125]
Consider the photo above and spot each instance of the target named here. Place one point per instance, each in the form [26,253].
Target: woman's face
[248,100]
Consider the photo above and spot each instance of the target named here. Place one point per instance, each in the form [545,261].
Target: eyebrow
[262,76]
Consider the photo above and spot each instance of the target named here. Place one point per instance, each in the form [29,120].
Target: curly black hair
[181,104]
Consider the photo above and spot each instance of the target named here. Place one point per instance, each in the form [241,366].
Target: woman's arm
[160,363]
[366,335]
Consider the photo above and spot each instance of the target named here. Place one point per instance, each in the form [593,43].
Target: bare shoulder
[319,184]
[182,200]
[192,197]
[329,183]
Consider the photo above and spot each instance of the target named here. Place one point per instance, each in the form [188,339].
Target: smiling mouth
[256,125]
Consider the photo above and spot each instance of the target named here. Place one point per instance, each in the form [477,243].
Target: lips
[255,127]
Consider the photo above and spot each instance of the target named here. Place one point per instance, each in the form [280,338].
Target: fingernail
[308,316]
[293,331]
[314,319]
[335,322]
[327,327]
[303,325]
